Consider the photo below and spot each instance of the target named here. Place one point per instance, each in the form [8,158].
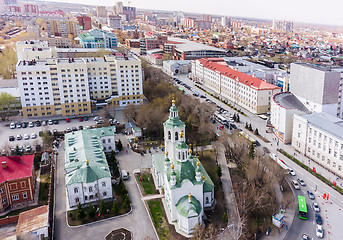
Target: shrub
[102,207]
[80,215]
[91,211]
[115,208]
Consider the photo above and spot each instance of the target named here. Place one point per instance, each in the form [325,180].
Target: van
[295,185]
[124,175]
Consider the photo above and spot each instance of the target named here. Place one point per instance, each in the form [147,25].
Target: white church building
[179,174]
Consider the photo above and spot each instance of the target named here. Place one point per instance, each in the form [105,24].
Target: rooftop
[185,45]
[289,101]
[243,78]
[32,220]
[17,167]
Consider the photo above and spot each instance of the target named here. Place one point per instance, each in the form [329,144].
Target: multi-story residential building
[62,86]
[119,8]
[319,136]
[31,9]
[88,176]
[130,13]
[17,180]
[101,12]
[225,22]
[283,25]
[114,22]
[96,38]
[85,22]
[63,28]
[318,88]
[147,44]
[244,90]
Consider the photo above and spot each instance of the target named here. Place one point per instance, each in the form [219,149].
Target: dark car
[55,122]
[213,121]
[310,194]
[38,124]
[74,129]
[11,138]
[80,127]
[319,219]
[85,118]
[257,143]
[202,96]
[24,125]
[233,126]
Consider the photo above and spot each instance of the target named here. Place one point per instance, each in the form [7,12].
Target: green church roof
[182,145]
[188,208]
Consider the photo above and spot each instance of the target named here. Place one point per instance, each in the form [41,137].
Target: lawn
[159,219]
[44,189]
[146,183]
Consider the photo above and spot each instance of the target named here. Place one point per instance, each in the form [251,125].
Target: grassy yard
[146,183]
[159,219]
[209,163]
[44,189]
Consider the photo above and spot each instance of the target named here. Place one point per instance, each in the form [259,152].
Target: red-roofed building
[17,180]
[244,90]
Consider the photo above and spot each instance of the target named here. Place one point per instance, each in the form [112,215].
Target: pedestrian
[126,151]
[286,227]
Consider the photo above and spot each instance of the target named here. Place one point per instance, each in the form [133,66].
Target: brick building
[17,180]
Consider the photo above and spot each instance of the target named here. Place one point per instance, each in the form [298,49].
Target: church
[179,174]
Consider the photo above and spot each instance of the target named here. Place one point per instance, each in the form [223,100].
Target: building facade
[85,22]
[101,12]
[282,25]
[17,180]
[187,187]
[62,86]
[244,90]
[319,136]
[66,29]
[88,177]
[114,22]
[96,38]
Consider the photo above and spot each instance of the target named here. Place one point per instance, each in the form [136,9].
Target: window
[103,184]
[169,135]
[90,197]
[78,200]
[3,201]
[2,190]
[104,194]
[24,195]
[109,140]
[176,136]
[15,197]
[86,197]
[90,189]
[76,190]
[207,200]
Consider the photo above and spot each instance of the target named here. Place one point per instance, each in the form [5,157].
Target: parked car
[221,127]
[291,172]
[38,124]
[3,153]
[302,183]
[11,138]
[19,137]
[74,129]
[319,231]
[124,175]
[33,136]
[55,122]
[26,136]
[80,119]
[67,120]
[21,149]
[12,126]
[85,118]
[305,237]
[99,121]
[315,207]
[68,130]
[295,185]
[51,122]
[31,124]
[80,127]
[44,123]
[28,149]
[310,194]
[24,125]
[18,125]
[319,219]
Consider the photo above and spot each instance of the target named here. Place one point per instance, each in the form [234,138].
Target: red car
[221,127]
[67,120]
[80,119]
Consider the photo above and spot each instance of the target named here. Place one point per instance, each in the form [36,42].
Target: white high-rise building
[114,22]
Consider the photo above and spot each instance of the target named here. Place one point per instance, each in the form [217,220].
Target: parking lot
[6,132]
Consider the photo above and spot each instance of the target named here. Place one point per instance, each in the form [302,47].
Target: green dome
[167,159]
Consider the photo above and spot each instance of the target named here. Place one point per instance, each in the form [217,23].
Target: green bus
[302,207]
[181,89]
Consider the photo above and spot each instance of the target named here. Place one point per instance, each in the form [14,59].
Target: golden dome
[189,196]
[166,153]
[87,161]
[172,166]
[203,177]
[173,102]
[198,163]
[181,134]
[190,150]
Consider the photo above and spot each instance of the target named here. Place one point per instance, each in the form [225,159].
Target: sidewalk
[277,234]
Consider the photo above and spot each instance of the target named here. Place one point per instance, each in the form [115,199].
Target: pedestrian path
[151,197]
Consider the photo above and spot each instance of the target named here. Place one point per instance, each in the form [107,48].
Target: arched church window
[176,136]
[183,155]
[169,135]
[77,200]
[179,155]
[76,190]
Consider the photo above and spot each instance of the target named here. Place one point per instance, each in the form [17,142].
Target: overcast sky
[311,11]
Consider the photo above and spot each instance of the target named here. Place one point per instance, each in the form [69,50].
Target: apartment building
[244,90]
[73,86]
[101,12]
[319,136]
[114,22]
[96,38]
[85,22]
[64,29]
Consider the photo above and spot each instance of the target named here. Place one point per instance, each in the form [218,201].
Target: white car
[19,137]
[51,122]
[31,124]
[33,136]
[319,231]
[291,172]
[12,126]
[316,207]
[26,136]
[273,156]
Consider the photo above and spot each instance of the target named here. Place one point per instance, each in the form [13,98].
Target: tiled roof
[216,64]
[32,220]
[17,167]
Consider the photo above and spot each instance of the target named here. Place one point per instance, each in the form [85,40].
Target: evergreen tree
[119,146]
[234,118]
[237,118]
[252,151]
[250,127]
[102,207]
[246,125]
[219,171]
[256,132]
[126,202]
[225,217]
[91,211]
[80,215]
[115,208]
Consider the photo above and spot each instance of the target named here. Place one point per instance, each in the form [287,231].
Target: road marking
[311,181]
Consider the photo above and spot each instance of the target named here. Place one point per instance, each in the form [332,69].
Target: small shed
[137,132]
[277,219]
[45,158]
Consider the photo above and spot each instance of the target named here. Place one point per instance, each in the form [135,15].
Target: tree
[126,202]
[102,207]
[250,127]
[256,132]
[8,60]
[237,118]
[119,146]
[251,151]
[246,125]
[115,208]
[91,211]
[47,139]
[8,104]
[219,171]
[225,217]
[80,215]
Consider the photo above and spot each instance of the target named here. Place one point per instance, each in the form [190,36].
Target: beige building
[73,86]
[244,90]
[65,29]
[101,12]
